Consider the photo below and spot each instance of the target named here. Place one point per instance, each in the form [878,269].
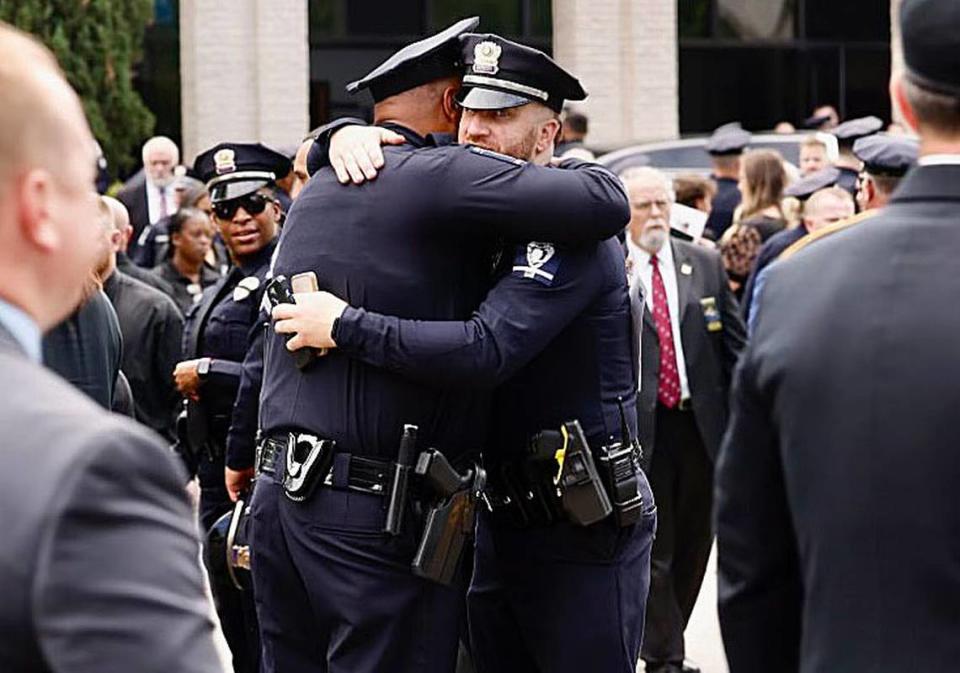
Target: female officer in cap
[216,339]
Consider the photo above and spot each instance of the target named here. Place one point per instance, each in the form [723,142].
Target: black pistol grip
[434,467]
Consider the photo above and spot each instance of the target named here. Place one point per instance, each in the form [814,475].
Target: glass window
[496,16]
[694,18]
[756,19]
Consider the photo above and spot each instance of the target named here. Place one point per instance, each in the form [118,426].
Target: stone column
[625,54]
[245,72]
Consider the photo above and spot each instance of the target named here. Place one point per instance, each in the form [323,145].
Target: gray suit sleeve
[118,584]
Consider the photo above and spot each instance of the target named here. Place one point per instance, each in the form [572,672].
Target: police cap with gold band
[429,59]
[502,74]
[232,170]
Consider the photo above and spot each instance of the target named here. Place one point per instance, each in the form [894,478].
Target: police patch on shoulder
[496,155]
[537,261]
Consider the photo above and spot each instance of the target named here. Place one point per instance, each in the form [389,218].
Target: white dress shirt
[939,160]
[153,201]
[642,271]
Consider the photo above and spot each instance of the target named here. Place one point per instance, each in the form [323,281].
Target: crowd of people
[458,398]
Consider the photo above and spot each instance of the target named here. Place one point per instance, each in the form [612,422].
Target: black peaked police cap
[502,74]
[232,170]
[418,63]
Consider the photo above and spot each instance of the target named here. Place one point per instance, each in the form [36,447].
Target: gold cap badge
[225,161]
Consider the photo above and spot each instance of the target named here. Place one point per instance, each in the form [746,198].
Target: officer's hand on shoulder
[310,320]
[355,152]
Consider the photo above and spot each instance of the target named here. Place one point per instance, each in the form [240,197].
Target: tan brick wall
[245,72]
[625,54]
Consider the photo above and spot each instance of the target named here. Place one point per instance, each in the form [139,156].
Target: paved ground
[704,647]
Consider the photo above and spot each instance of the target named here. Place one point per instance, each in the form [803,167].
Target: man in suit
[100,570]
[837,509]
[149,195]
[152,328]
[690,336]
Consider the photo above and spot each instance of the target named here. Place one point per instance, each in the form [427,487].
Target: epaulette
[827,231]
[496,155]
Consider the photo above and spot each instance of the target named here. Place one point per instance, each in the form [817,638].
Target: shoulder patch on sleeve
[496,155]
[537,261]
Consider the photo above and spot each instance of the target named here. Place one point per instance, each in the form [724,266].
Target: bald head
[40,114]
[119,220]
[827,206]
[49,238]
[428,108]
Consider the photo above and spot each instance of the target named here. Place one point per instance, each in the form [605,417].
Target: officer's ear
[549,133]
[901,102]
[449,105]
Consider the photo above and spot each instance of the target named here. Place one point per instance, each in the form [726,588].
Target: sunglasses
[253,204]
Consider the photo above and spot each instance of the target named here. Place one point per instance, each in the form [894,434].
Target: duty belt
[346,472]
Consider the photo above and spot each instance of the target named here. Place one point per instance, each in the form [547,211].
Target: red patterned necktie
[668,382]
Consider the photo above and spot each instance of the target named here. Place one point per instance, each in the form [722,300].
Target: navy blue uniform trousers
[335,594]
[560,598]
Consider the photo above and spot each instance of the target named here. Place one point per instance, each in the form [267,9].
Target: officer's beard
[525,148]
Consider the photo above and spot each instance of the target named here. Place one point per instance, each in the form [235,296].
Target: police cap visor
[481,98]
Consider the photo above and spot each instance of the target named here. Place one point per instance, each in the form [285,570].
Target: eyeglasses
[254,204]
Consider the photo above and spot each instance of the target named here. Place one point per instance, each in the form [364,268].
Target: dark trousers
[560,598]
[335,594]
[235,608]
[681,475]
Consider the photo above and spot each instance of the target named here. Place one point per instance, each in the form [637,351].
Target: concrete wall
[625,54]
[245,72]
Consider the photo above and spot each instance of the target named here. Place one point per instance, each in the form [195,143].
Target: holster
[307,462]
[619,467]
[557,479]
[450,518]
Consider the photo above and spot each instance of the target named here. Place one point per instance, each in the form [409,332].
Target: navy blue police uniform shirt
[418,244]
[223,327]
[554,334]
[724,204]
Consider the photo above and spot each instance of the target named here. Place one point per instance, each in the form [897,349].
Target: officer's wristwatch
[203,368]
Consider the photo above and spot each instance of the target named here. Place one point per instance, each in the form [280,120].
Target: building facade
[269,70]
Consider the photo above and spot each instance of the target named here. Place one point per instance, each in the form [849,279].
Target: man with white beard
[690,337]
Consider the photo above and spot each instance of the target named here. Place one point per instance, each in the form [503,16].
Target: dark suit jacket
[133,195]
[710,355]
[86,349]
[152,329]
[838,516]
[99,554]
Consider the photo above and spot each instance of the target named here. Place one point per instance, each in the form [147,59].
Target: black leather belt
[348,472]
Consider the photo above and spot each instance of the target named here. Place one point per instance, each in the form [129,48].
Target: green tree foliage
[97,42]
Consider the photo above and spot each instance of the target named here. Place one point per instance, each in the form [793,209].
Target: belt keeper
[340,471]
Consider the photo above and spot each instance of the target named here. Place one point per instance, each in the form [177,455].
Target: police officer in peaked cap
[725,147]
[217,336]
[552,590]
[886,159]
[339,591]
[847,162]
